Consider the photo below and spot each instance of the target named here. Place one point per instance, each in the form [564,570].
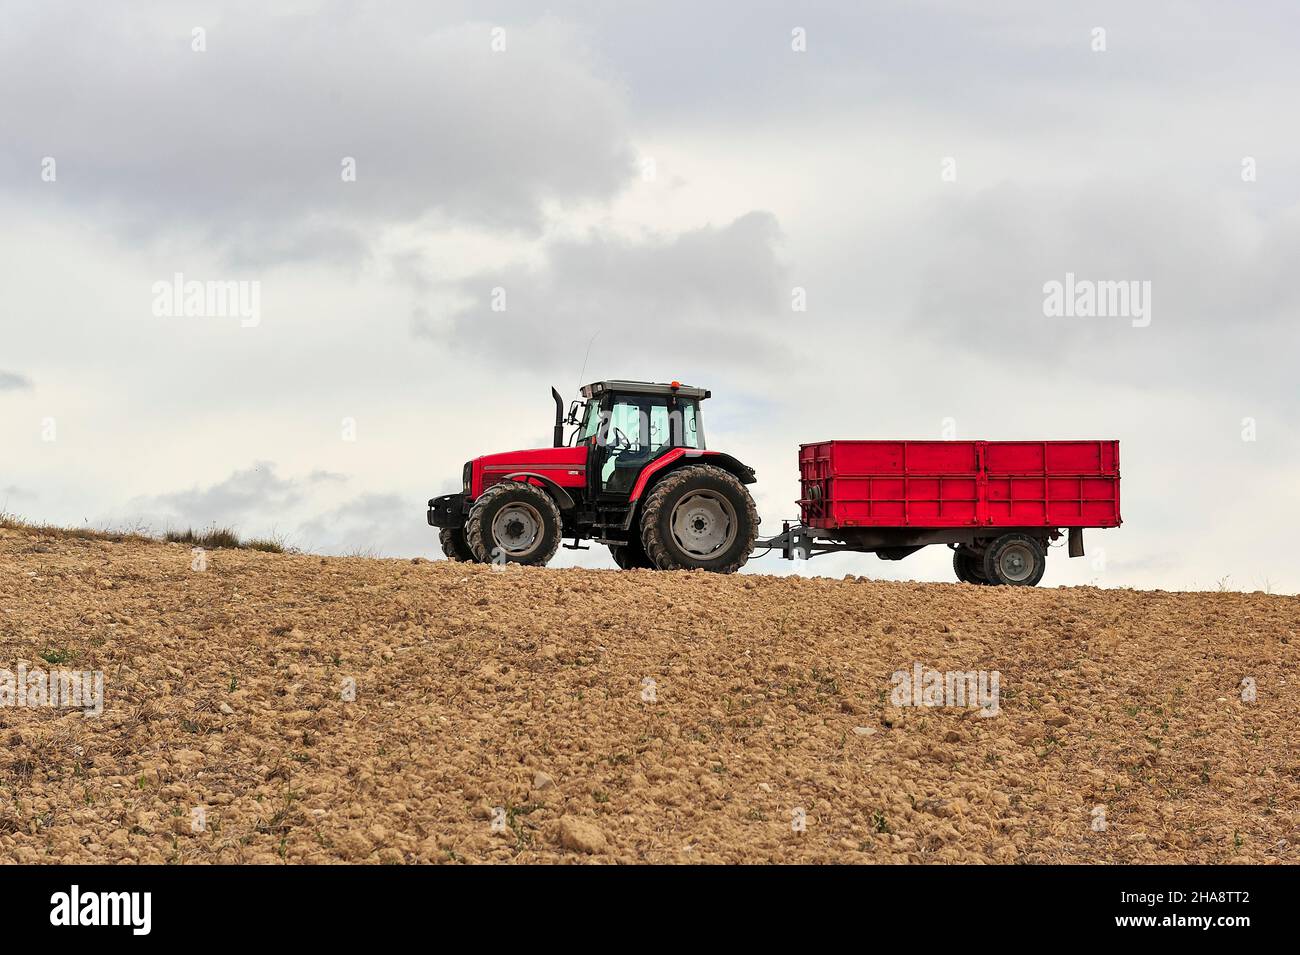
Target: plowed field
[292,708]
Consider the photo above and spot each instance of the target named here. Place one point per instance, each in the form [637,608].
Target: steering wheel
[621,441]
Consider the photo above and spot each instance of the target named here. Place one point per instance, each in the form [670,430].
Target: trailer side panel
[960,484]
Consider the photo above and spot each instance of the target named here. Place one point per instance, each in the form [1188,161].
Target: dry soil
[506,716]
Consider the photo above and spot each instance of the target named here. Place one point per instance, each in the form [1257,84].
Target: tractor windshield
[590,421]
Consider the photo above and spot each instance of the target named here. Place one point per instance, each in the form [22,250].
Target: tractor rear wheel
[699,517]
[1015,560]
[454,545]
[513,523]
[631,556]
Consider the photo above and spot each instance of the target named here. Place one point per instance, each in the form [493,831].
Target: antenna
[585,357]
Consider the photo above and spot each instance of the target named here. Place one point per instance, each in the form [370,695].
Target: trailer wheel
[1015,560]
[513,523]
[968,566]
[699,517]
[631,556]
[454,545]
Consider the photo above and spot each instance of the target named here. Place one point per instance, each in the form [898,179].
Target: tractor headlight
[469,468]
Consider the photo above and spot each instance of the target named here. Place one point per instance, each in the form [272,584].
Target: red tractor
[635,475]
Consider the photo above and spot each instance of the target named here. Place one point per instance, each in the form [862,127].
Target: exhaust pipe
[559,418]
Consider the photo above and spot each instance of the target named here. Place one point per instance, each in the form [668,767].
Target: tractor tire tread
[454,545]
[630,557]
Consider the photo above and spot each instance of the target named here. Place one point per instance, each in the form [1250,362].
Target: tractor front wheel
[454,545]
[513,523]
[699,517]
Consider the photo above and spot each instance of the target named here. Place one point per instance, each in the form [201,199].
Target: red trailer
[998,504]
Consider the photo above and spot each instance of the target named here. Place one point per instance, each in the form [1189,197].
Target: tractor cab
[628,424]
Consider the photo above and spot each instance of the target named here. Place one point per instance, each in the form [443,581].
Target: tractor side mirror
[573,417]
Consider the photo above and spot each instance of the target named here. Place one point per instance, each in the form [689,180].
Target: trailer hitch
[794,543]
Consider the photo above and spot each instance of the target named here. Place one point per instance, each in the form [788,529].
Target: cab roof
[598,388]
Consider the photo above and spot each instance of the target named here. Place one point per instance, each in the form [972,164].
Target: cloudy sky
[652,181]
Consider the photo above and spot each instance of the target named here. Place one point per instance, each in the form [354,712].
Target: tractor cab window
[660,435]
[628,430]
[688,420]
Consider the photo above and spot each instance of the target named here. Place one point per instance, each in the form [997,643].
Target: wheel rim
[517,528]
[703,523]
[1016,562]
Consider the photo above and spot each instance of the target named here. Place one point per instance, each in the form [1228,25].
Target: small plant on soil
[264,544]
[213,537]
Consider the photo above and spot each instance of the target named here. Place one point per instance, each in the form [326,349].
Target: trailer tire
[1015,560]
[968,566]
[699,517]
[513,523]
[631,556]
[454,545]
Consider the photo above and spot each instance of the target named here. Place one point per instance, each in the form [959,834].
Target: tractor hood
[566,467]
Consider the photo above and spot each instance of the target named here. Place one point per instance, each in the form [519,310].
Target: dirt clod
[580,836]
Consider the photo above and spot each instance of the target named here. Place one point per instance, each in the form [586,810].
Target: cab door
[633,430]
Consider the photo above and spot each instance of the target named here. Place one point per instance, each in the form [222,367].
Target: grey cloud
[409,268]
[321,476]
[1222,295]
[381,524]
[1009,67]
[253,495]
[12,381]
[258,501]
[292,243]
[715,291]
[243,144]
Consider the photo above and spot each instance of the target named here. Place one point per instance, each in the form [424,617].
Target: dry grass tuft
[212,538]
